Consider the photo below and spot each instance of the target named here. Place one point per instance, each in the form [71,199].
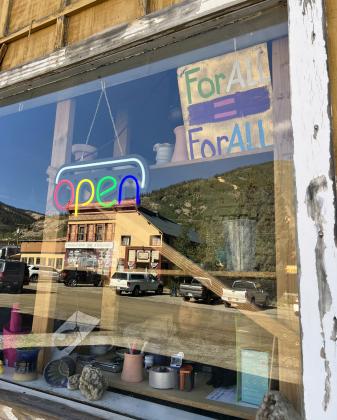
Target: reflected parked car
[73,277]
[192,288]
[41,272]
[13,275]
[246,291]
[135,283]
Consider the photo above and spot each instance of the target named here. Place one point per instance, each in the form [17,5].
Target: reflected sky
[150,99]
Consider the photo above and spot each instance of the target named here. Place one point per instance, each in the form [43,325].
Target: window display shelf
[234,156]
[197,398]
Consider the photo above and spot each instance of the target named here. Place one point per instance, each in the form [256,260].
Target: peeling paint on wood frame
[124,41]
[315,187]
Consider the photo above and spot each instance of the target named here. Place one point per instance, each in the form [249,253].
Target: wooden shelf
[213,159]
[197,398]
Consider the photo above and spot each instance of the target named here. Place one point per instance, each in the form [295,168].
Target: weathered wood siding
[101,16]
[27,49]
[31,29]
[23,12]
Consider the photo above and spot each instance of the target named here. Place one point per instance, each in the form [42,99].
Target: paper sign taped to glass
[226,103]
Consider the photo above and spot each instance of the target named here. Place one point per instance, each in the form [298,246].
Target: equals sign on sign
[238,105]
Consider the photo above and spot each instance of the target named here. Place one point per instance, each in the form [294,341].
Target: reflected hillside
[12,218]
[19,224]
[206,206]
[216,209]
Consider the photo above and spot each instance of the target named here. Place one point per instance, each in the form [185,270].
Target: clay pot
[164,152]
[180,149]
[133,368]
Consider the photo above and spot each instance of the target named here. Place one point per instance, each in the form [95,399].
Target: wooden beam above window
[41,23]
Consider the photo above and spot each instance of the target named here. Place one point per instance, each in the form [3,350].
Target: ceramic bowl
[56,372]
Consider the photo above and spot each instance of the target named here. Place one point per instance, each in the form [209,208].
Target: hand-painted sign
[226,103]
[106,183]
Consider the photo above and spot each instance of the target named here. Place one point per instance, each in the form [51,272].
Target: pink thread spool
[16,319]
[14,328]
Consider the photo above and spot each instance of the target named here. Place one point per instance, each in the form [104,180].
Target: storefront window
[100,233]
[59,262]
[155,240]
[81,233]
[126,240]
[170,200]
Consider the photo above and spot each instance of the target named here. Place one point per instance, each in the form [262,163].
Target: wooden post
[331,16]
[44,307]
[110,302]
[121,144]
[4,16]
[285,227]
[61,152]
[60,32]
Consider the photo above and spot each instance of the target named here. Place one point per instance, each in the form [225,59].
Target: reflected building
[124,237]
[47,253]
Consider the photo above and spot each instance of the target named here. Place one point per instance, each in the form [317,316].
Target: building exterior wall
[35,28]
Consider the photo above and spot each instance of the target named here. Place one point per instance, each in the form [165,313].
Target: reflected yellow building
[123,237]
[46,253]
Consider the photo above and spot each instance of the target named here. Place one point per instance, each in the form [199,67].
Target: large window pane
[158,207]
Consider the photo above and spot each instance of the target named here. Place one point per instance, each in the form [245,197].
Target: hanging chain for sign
[103,94]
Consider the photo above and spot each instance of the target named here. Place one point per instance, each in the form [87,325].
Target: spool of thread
[15,321]
[186,378]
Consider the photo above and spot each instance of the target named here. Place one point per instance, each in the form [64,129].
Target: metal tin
[162,377]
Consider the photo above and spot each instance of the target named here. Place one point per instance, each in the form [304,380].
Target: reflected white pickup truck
[135,283]
[245,291]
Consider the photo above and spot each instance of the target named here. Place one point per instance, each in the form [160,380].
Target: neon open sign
[106,190]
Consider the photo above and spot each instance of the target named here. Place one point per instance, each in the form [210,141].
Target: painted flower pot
[164,152]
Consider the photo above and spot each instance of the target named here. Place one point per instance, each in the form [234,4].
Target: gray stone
[74,382]
[276,407]
[92,383]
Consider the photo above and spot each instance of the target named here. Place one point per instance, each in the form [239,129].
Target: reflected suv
[40,272]
[74,277]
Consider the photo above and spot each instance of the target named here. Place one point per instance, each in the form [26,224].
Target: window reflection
[163,241]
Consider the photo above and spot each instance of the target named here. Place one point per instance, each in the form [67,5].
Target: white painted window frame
[316,217]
